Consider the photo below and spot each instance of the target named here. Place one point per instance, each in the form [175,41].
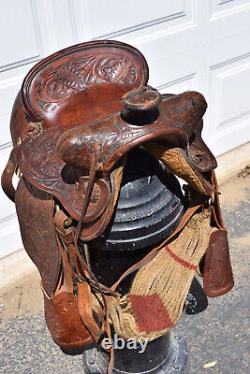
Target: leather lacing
[83,275]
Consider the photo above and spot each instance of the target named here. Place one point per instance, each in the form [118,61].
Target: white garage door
[189,44]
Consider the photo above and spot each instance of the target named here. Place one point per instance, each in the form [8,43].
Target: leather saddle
[78,114]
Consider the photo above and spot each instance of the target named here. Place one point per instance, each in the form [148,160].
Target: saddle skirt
[78,114]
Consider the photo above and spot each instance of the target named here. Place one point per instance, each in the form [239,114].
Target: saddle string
[86,200]
[103,290]
[86,254]
[84,263]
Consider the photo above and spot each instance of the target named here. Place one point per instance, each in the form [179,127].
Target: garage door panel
[180,85]
[63,31]
[10,83]
[228,18]
[172,68]
[19,37]
[224,5]
[234,91]
[167,73]
[165,44]
[230,90]
[10,238]
[8,92]
[228,50]
[231,137]
[138,13]
[229,109]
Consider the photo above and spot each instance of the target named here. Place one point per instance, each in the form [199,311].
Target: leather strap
[67,234]
[7,176]
[86,311]
[86,200]
[150,256]
[215,205]
[75,270]
[67,276]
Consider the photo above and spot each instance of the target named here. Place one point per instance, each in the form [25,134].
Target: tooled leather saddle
[78,114]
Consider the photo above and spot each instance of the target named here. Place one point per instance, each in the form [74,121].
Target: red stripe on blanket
[188,265]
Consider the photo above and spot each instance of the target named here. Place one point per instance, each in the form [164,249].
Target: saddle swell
[79,113]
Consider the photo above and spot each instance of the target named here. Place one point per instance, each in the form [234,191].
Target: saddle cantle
[78,114]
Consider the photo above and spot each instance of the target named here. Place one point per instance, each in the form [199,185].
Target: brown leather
[64,322]
[71,70]
[56,95]
[217,270]
[35,211]
[216,267]
[72,268]
[97,226]
[62,313]
[62,137]
[78,114]
[6,179]
[115,136]
[85,308]
[58,161]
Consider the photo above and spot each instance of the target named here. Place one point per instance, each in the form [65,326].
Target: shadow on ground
[219,335]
